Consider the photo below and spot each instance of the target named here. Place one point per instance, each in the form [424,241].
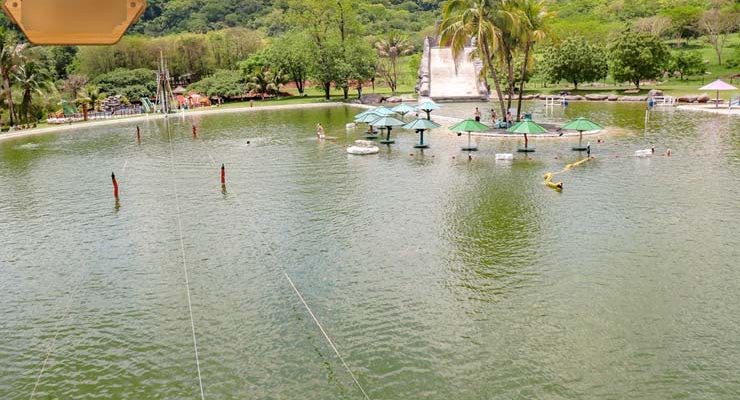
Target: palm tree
[31,78]
[89,97]
[9,50]
[390,49]
[534,28]
[479,21]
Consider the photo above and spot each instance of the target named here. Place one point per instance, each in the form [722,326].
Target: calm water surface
[437,277]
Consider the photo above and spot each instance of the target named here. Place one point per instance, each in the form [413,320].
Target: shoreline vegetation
[312,49]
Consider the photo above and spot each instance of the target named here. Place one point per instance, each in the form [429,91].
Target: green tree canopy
[634,57]
[575,60]
[291,55]
[133,84]
[223,83]
[687,63]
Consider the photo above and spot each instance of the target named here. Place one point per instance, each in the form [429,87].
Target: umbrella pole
[388,134]
[429,115]
[421,139]
[526,141]
[716,103]
[580,138]
[469,144]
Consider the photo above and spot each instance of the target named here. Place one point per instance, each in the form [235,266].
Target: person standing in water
[320,133]
[477,114]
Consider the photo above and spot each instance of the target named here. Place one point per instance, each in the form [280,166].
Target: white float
[645,152]
[363,147]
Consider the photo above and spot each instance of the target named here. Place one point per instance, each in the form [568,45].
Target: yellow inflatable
[559,185]
[552,185]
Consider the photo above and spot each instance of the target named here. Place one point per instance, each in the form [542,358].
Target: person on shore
[477,114]
[494,117]
[320,133]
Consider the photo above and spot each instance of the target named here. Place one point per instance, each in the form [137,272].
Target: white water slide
[450,81]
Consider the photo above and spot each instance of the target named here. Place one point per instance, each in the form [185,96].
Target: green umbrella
[527,127]
[421,125]
[469,125]
[428,107]
[388,123]
[402,109]
[581,125]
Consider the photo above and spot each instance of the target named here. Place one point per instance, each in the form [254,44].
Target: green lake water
[437,277]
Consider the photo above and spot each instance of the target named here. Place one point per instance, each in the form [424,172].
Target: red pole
[223,175]
[195,131]
[115,185]
[138,135]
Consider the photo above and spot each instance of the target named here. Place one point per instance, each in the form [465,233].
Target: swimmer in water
[320,133]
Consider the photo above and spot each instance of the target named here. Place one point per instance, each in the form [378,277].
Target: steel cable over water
[184,262]
[301,298]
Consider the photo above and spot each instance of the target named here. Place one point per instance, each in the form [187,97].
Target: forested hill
[174,16]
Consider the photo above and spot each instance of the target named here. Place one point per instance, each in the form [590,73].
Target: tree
[74,84]
[9,52]
[466,20]
[260,78]
[716,24]
[634,57]
[575,60]
[330,26]
[390,49]
[133,84]
[686,63]
[656,25]
[31,78]
[288,53]
[534,19]
[223,83]
[363,60]
[684,21]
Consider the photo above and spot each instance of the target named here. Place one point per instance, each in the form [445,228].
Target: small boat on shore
[363,147]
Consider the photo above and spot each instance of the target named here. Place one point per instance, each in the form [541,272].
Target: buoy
[223,175]
[645,152]
[195,131]
[138,134]
[115,185]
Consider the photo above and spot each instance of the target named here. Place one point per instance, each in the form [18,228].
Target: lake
[437,277]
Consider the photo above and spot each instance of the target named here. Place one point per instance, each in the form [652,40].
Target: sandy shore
[150,117]
[722,110]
